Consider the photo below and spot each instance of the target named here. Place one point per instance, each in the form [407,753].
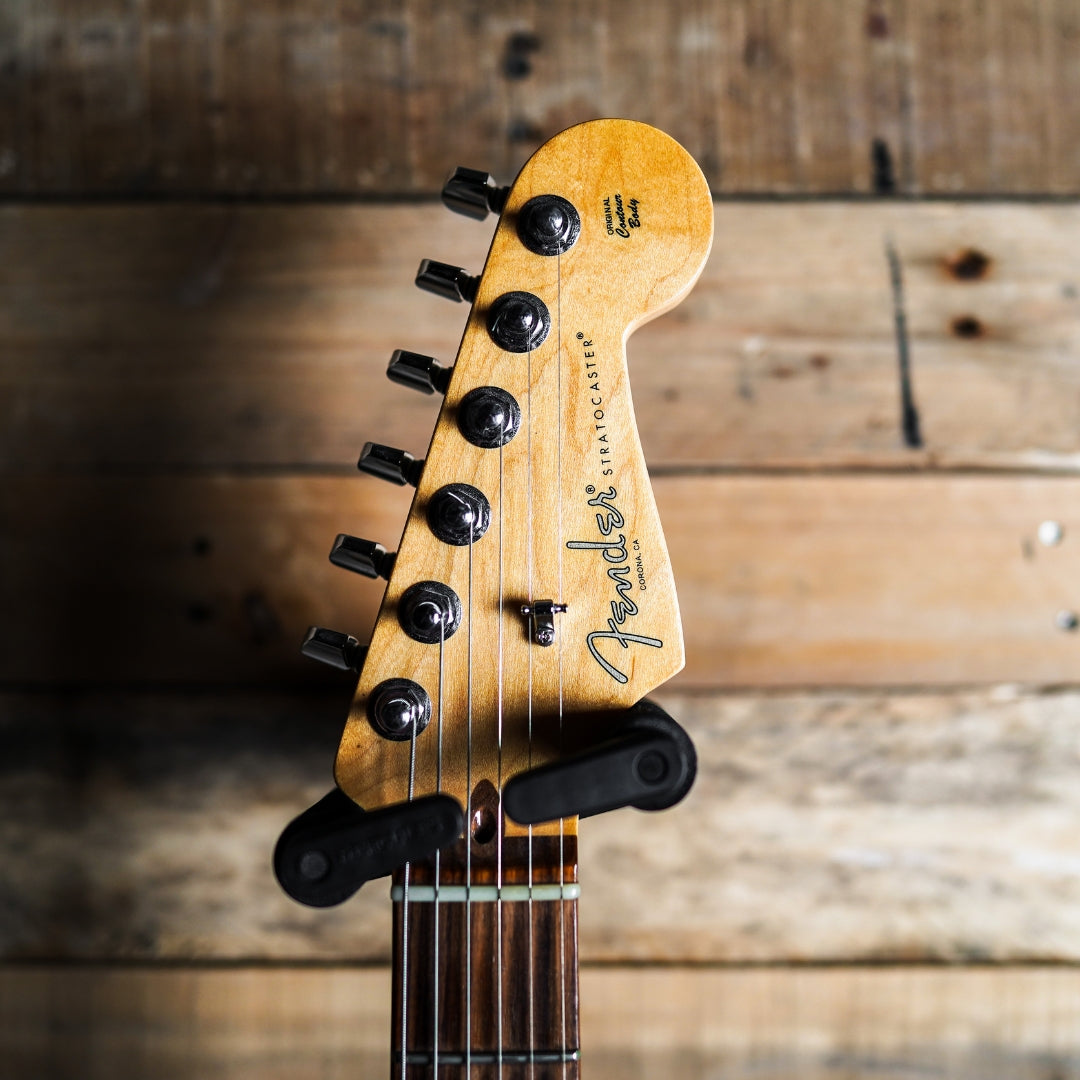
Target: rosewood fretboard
[471,959]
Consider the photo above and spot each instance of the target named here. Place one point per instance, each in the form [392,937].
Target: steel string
[529,575]
[405,916]
[438,862]
[559,638]
[468,826]
[499,809]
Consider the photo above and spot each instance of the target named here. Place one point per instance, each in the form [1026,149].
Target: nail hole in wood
[968,265]
[967,326]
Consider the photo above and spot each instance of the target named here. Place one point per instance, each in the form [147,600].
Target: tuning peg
[334,648]
[442,279]
[423,373]
[473,193]
[362,556]
[388,463]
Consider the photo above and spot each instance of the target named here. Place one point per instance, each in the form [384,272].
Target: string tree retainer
[541,615]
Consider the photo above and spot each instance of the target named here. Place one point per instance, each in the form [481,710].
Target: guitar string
[468,826]
[499,816]
[500,688]
[559,549]
[412,765]
[438,865]
[405,916]
[529,575]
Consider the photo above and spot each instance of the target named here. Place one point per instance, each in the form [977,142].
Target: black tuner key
[332,848]
[473,193]
[334,648]
[649,763]
[362,556]
[423,373]
[388,463]
[442,279]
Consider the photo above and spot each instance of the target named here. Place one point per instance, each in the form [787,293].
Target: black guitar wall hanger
[648,763]
[334,847]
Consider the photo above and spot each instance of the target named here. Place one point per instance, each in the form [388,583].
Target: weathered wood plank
[832,827]
[784,581]
[1066,76]
[180,105]
[274,1024]
[306,96]
[226,336]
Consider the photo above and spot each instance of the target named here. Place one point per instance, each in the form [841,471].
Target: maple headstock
[567,514]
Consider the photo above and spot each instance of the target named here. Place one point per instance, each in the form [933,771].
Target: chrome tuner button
[473,193]
[362,556]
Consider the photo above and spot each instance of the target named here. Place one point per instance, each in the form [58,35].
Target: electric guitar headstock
[530,606]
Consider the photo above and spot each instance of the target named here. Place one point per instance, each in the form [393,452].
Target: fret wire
[512,1057]
[488,894]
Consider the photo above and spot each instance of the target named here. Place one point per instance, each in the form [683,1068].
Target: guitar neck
[529,610]
[485,963]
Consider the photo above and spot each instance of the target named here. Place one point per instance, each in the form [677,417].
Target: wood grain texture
[572,516]
[519,961]
[836,827]
[272,1024]
[211,336]
[178,382]
[314,96]
[783,581]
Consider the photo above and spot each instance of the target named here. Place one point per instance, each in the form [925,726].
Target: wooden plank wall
[206,252]
[302,97]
